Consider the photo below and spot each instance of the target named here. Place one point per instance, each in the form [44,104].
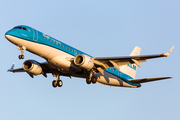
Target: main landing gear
[21,48]
[57,82]
[89,79]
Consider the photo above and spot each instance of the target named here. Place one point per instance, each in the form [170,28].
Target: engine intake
[32,66]
[84,61]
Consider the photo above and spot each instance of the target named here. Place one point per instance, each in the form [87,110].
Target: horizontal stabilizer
[15,70]
[148,79]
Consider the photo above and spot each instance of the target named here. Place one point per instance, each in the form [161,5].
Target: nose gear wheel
[21,48]
[21,57]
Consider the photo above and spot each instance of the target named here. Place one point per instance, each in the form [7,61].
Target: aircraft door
[35,35]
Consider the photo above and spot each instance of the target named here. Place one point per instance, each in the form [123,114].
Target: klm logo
[132,66]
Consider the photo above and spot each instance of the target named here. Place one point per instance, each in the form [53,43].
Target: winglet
[168,53]
[12,67]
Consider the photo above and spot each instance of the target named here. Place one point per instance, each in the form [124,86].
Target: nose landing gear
[21,57]
[21,48]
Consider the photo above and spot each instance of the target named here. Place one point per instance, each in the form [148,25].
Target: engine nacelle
[32,66]
[84,61]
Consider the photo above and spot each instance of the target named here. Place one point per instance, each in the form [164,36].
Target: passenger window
[59,44]
[78,53]
[65,47]
[50,40]
[75,52]
[56,43]
[71,50]
[62,45]
[53,41]
[68,48]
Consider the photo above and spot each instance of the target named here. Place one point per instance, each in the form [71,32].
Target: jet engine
[32,67]
[84,61]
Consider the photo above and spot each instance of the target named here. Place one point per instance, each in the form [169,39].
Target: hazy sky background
[100,28]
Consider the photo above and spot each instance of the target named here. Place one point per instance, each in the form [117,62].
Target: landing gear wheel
[21,56]
[59,83]
[88,80]
[94,80]
[54,83]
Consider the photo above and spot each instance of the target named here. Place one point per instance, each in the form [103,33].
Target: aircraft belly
[62,61]
[39,49]
[110,80]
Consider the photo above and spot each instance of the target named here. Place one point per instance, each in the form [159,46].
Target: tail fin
[131,69]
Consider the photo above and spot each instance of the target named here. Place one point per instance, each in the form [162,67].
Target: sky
[101,28]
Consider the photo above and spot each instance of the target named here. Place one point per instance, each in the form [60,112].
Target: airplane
[64,60]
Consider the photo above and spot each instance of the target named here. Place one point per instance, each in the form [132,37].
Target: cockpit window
[24,29]
[19,27]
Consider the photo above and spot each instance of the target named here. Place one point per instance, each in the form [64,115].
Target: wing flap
[148,79]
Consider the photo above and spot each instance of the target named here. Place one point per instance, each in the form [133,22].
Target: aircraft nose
[10,33]
[6,34]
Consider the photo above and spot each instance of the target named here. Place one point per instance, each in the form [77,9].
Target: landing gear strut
[21,48]
[57,82]
[89,79]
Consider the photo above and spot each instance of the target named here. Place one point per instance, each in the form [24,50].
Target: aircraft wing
[148,79]
[15,70]
[117,61]
[47,68]
[44,65]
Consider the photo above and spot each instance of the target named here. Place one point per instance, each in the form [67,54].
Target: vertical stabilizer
[131,69]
